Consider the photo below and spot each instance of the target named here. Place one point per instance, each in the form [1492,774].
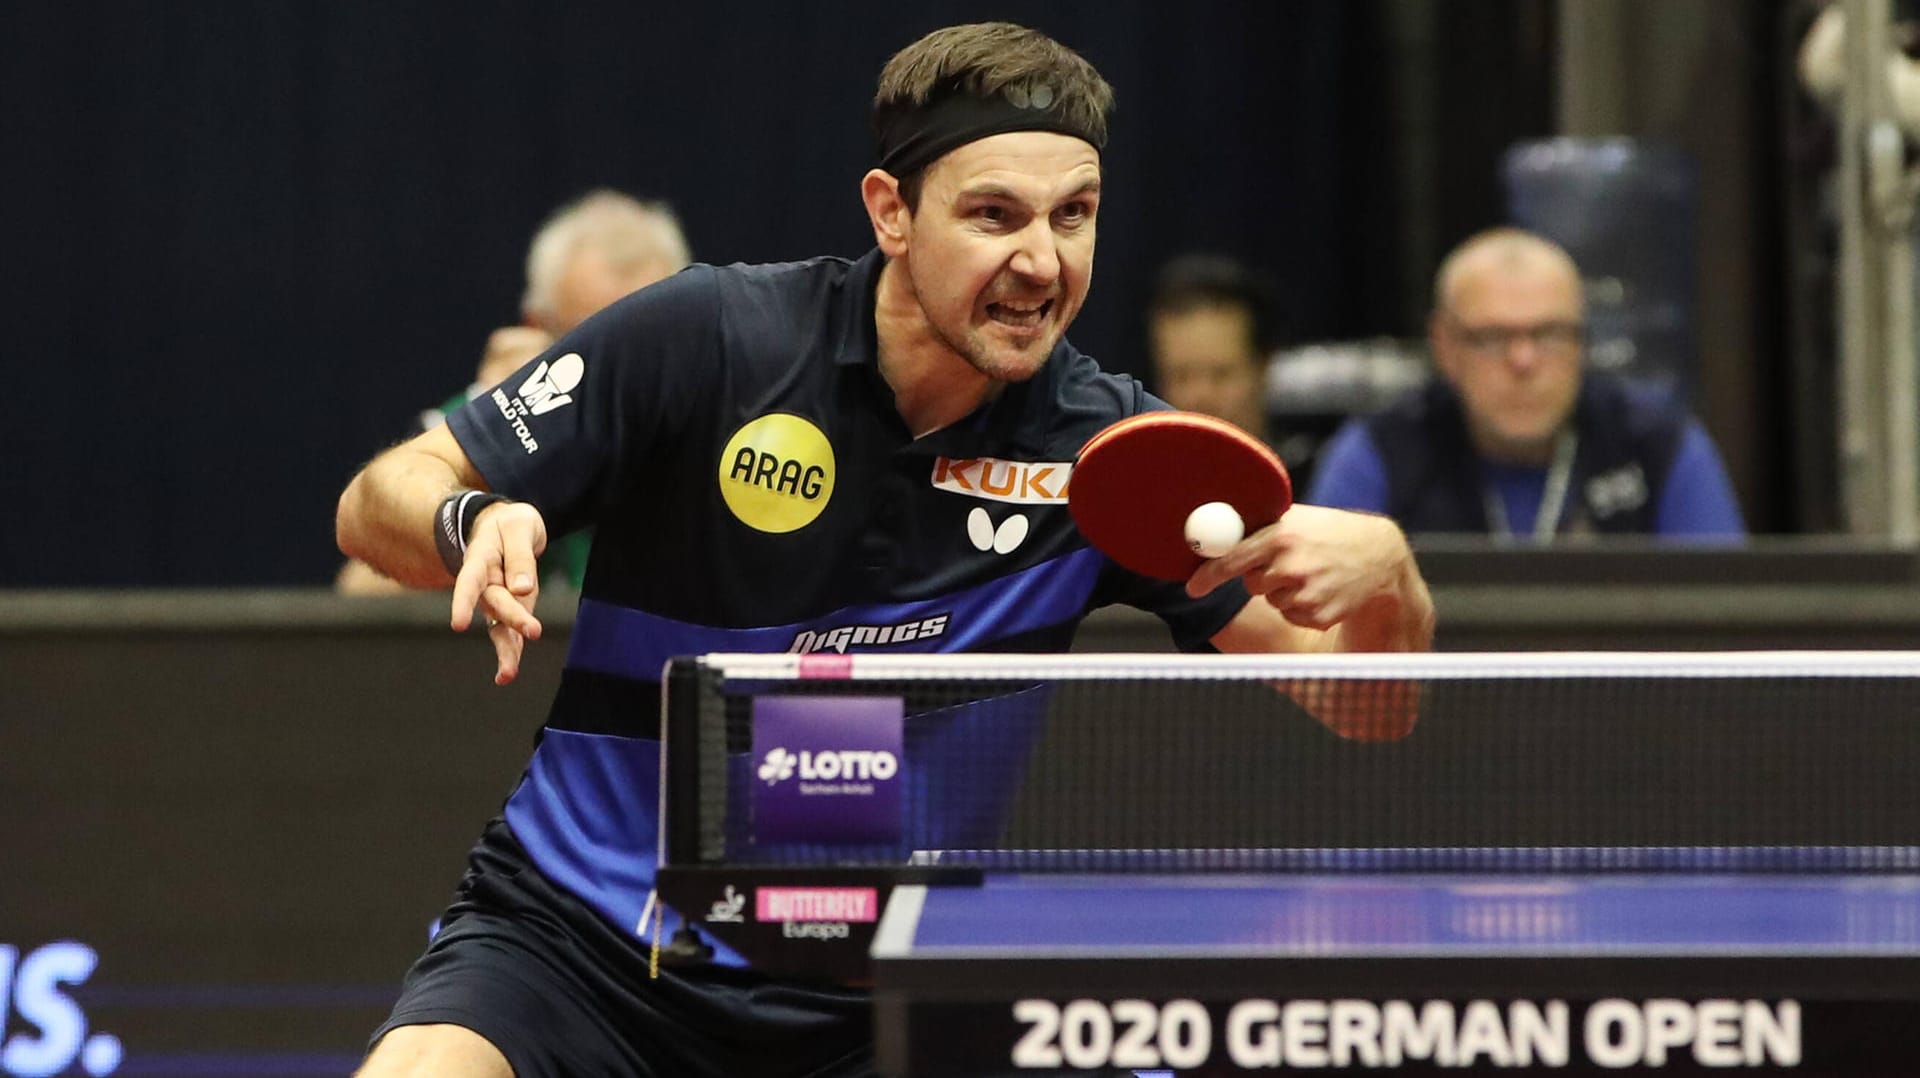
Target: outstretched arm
[1327,580]
[386,518]
[508,349]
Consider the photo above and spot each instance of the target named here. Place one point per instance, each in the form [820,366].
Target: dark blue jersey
[1635,464]
[752,488]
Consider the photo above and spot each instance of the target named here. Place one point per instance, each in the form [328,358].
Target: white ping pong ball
[1213,528]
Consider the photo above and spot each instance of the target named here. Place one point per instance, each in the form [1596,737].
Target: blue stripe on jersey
[587,811]
[611,639]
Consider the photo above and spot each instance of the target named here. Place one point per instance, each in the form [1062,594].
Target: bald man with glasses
[1515,438]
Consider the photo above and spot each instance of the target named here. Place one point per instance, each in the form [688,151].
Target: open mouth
[1019,315]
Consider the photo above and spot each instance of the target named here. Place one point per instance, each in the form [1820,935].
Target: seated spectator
[1514,438]
[588,254]
[1208,332]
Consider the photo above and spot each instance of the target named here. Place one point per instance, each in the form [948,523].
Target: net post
[694,757]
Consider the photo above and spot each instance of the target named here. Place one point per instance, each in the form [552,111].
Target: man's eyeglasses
[1555,337]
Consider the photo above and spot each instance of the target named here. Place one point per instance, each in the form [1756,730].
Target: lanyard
[1552,499]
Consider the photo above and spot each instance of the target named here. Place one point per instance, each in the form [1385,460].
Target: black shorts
[563,993]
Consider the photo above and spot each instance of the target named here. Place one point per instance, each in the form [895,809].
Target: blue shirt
[1693,500]
[753,488]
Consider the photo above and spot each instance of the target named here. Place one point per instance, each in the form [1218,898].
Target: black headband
[915,136]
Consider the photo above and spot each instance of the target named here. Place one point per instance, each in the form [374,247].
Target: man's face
[1000,252]
[589,283]
[1510,341]
[1204,361]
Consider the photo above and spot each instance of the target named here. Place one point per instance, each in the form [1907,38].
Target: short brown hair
[1194,282]
[981,60]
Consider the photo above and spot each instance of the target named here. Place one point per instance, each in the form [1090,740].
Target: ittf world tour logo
[776,473]
[549,386]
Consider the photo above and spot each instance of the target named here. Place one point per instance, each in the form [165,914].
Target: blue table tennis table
[1562,972]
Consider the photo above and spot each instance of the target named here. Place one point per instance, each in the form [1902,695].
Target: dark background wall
[247,243]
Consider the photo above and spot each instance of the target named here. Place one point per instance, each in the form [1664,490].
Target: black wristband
[454,520]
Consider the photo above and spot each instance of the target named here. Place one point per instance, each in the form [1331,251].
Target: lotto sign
[827,769]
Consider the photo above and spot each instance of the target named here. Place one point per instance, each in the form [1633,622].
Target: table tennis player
[832,455]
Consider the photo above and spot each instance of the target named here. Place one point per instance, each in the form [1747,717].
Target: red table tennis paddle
[1136,483]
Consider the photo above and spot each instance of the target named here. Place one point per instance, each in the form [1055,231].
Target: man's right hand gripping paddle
[1162,492]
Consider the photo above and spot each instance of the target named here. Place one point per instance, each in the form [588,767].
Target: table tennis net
[1800,762]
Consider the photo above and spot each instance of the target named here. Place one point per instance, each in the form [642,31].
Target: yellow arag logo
[777,473]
